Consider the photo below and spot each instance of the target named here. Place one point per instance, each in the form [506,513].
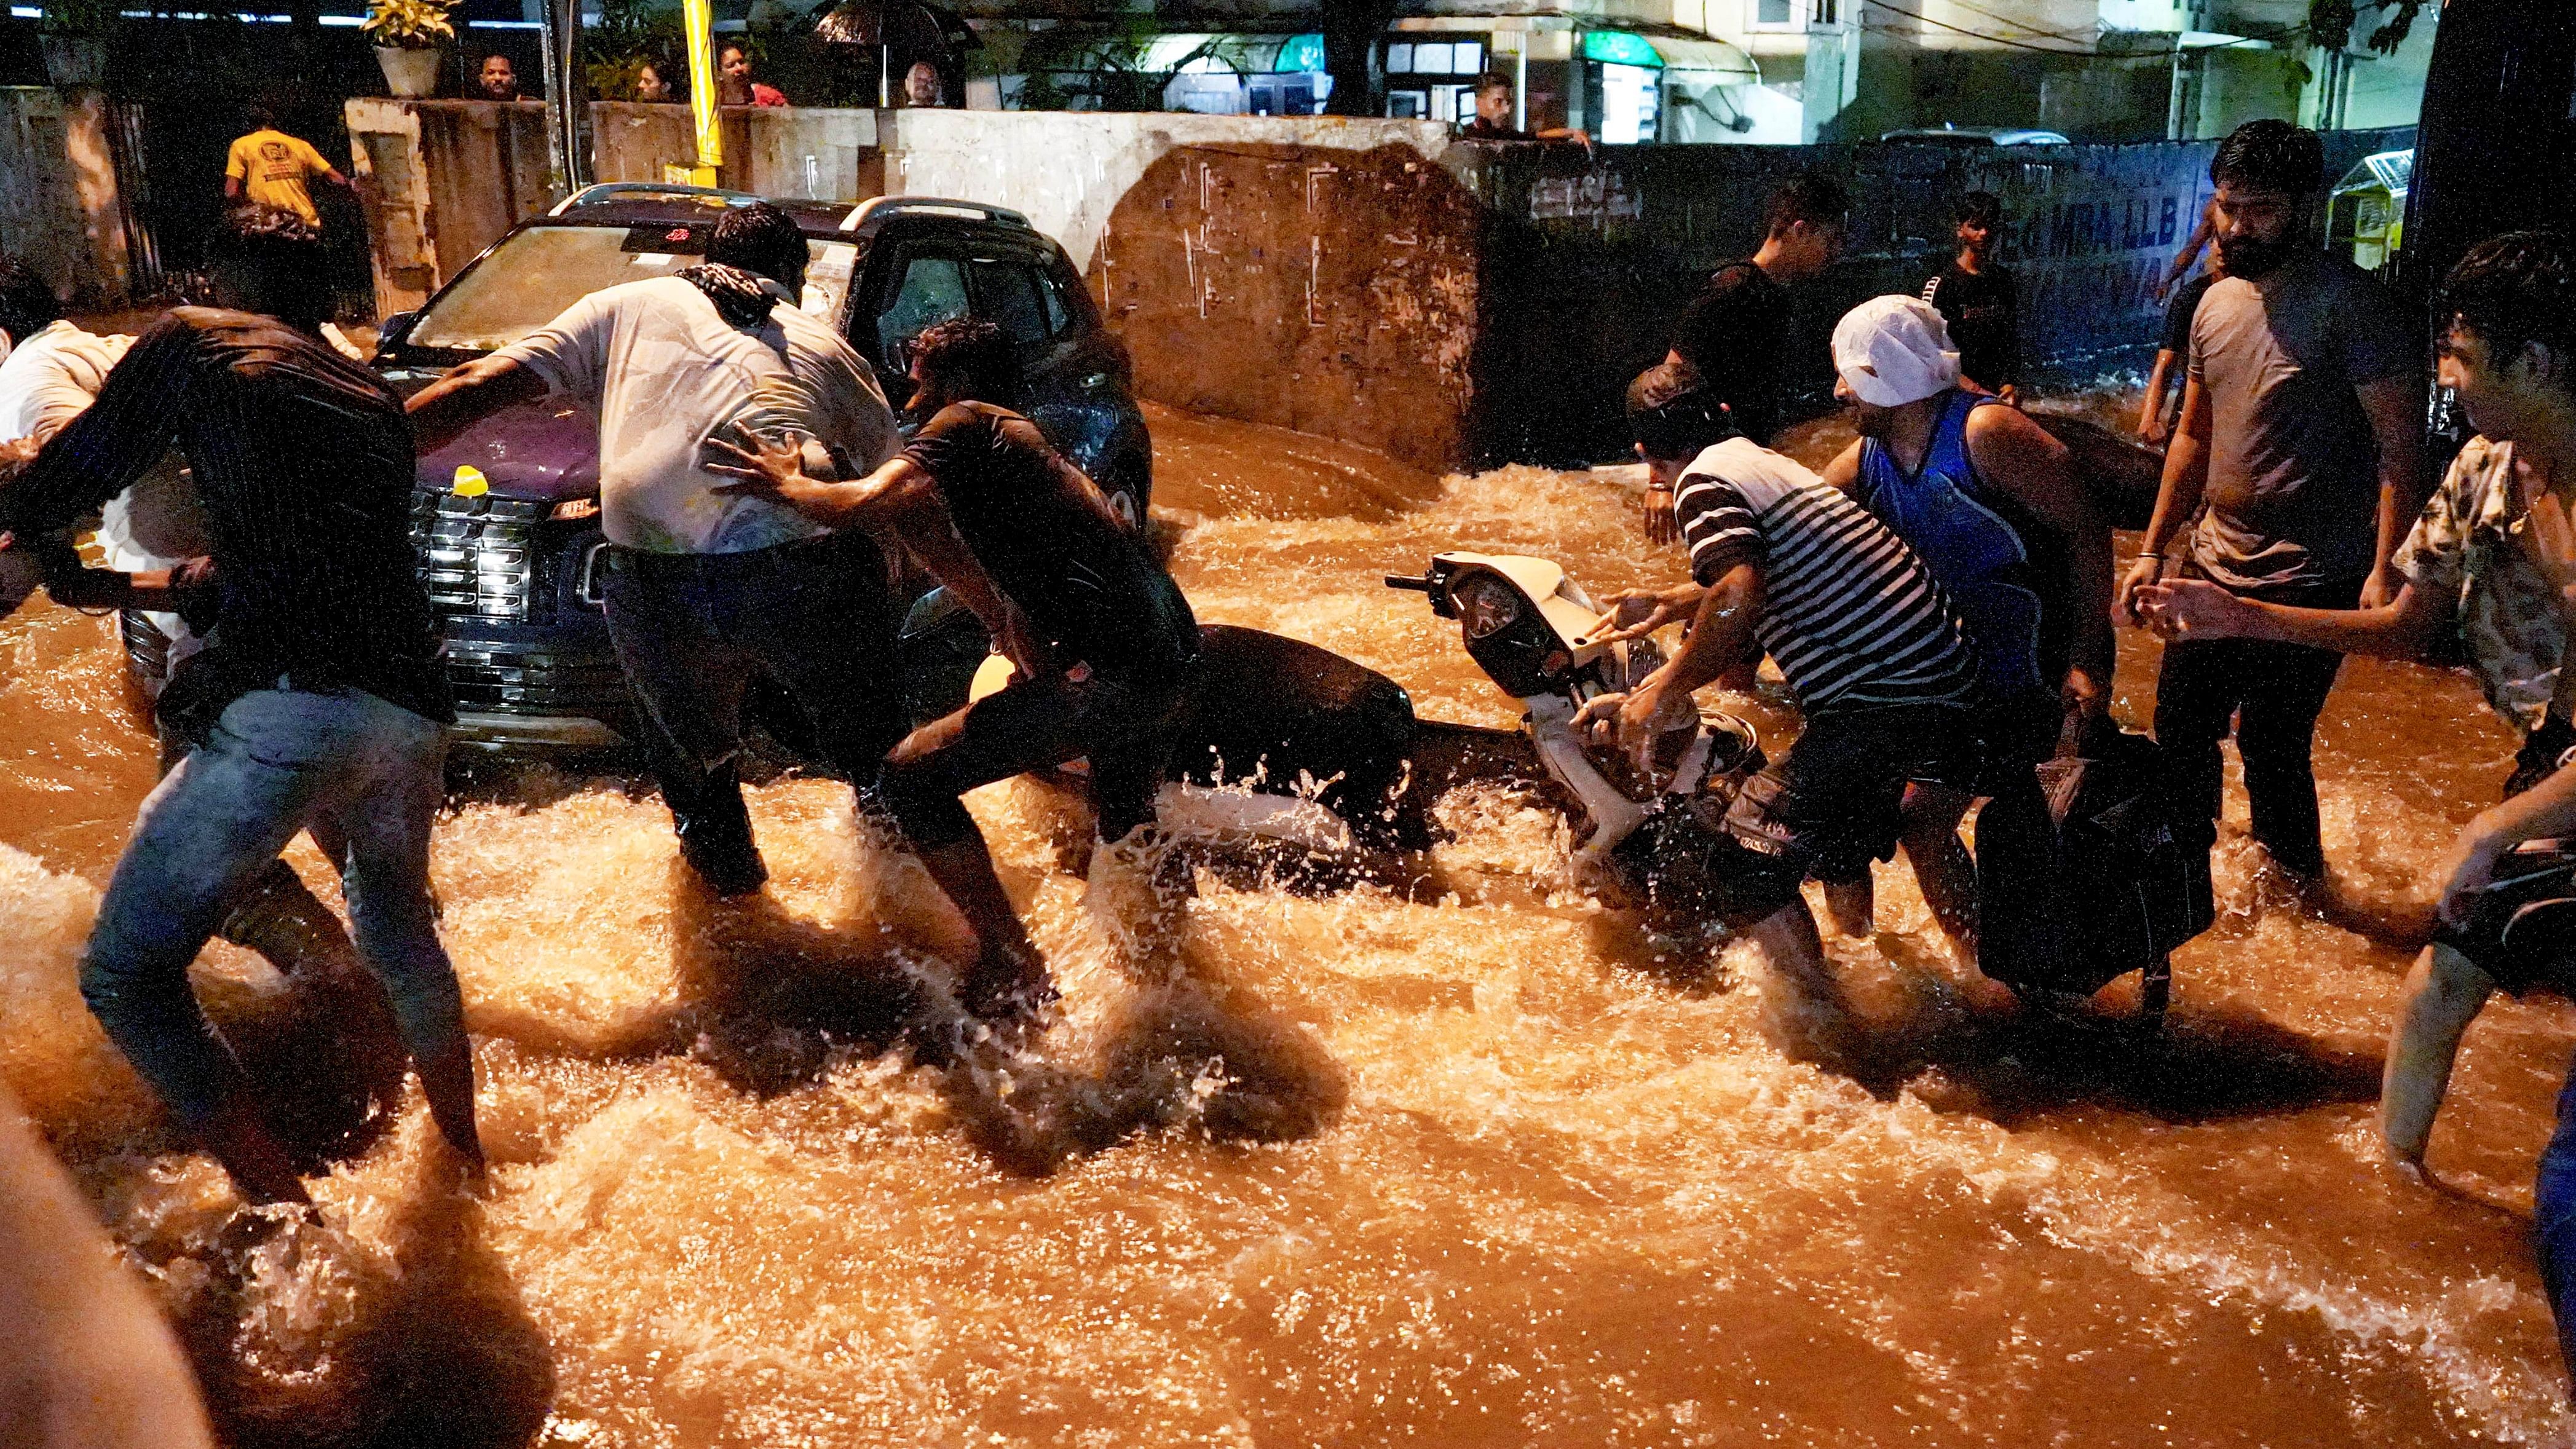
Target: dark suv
[507,517]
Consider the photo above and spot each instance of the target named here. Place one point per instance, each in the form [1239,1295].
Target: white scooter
[1524,622]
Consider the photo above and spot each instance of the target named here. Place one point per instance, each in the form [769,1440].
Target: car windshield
[540,271]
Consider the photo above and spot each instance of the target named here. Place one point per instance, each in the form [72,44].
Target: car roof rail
[877,210]
[601,192]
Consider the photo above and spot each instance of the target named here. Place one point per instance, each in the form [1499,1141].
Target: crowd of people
[1941,599]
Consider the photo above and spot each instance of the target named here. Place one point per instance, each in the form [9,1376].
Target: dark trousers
[693,631]
[2272,693]
[1123,724]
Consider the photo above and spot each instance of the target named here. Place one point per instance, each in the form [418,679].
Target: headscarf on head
[742,298]
[1895,350]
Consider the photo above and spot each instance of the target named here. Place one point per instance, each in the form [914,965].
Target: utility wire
[1923,19]
[2008,42]
[2066,35]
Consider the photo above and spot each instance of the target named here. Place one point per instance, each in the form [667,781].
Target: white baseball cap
[1895,350]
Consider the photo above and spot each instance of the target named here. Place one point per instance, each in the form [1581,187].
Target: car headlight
[1486,605]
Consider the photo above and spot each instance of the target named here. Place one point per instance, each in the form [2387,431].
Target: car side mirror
[393,327]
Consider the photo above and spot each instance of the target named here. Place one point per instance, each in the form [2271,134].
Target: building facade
[1747,71]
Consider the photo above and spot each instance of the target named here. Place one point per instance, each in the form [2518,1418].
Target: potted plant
[407,34]
[73,34]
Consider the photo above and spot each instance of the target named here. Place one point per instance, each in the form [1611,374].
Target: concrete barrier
[440,181]
[59,206]
[811,153]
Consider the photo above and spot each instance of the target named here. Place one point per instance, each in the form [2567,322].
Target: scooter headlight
[1486,605]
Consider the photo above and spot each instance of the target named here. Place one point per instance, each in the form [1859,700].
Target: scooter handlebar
[1421,585]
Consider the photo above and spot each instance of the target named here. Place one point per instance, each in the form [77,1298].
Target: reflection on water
[1476,1165]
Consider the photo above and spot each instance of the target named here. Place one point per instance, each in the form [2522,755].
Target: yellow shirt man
[270,167]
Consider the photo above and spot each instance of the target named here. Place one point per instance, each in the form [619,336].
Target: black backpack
[2082,877]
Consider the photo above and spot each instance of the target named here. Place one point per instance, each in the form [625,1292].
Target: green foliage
[408,24]
[2330,23]
[630,33]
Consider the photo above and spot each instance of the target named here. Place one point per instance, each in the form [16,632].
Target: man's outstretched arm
[467,394]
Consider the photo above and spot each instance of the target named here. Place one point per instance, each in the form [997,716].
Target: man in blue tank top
[1991,503]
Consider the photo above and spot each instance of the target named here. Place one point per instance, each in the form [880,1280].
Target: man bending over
[318,700]
[1883,673]
[1104,643]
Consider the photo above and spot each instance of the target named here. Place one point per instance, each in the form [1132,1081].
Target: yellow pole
[697,17]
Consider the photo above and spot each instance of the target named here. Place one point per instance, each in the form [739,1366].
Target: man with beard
[2297,453]
[2489,563]
[1991,503]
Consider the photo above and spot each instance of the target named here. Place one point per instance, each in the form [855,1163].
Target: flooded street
[1473,1164]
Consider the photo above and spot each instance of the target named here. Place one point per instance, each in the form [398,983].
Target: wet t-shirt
[1736,332]
[665,372]
[1853,617]
[1048,538]
[2473,549]
[2293,495]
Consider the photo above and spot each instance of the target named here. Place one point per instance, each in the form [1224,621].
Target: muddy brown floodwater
[1480,1165]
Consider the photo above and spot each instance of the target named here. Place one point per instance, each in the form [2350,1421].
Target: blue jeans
[2553,1221]
[368,773]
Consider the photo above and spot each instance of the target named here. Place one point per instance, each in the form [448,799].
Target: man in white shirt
[49,370]
[707,590]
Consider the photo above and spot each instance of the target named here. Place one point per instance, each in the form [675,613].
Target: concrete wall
[440,181]
[1314,272]
[59,206]
[804,152]
[1319,273]
[1068,171]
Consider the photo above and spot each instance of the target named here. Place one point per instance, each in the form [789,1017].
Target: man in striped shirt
[1783,564]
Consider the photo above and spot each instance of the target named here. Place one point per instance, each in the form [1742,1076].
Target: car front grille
[482,556]
[539,682]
